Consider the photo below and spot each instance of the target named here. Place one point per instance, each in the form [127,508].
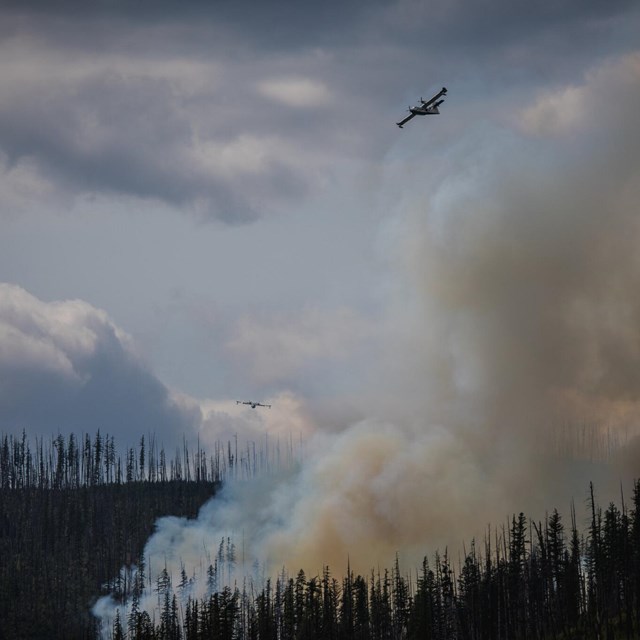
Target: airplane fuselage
[420,111]
[252,404]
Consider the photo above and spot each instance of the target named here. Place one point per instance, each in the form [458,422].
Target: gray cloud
[125,128]
[65,366]
[178,105]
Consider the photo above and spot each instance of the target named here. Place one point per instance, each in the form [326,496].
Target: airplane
[427,108]
[252,404]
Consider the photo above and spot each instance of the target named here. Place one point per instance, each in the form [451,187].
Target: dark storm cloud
[65,366]
[164,101]
[287,25]
[493,21]
[275,24]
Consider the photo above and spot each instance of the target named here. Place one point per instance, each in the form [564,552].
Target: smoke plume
[523,269]
[513,338]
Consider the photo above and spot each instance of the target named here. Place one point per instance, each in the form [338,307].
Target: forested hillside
[71,517]
[527,580]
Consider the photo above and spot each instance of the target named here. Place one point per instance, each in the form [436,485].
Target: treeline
[529,580]
[72,513]
[59,547]
[73,462]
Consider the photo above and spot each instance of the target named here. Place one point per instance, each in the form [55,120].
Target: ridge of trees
[73,462]
[529,580]
[73,512]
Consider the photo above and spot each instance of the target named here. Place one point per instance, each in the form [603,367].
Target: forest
[73,512]
[529,580]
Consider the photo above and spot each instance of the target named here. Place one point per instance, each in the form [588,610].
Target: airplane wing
[433,109]
[441,93]
[411,115]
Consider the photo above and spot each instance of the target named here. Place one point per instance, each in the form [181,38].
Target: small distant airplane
[253,405]
[427,108]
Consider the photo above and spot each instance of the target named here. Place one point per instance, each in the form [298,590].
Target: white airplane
[427,108]
[252,404]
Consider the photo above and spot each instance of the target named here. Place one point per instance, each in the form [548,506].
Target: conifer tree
[347,613]
[361,617]
[422,619]
[118,633]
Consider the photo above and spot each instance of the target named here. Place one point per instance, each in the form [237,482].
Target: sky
[204,202]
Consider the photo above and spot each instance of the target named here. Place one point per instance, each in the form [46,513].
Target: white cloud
[296,92]
[66,331]
[66,366]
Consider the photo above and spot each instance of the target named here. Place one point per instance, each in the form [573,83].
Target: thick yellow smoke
[525,269]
